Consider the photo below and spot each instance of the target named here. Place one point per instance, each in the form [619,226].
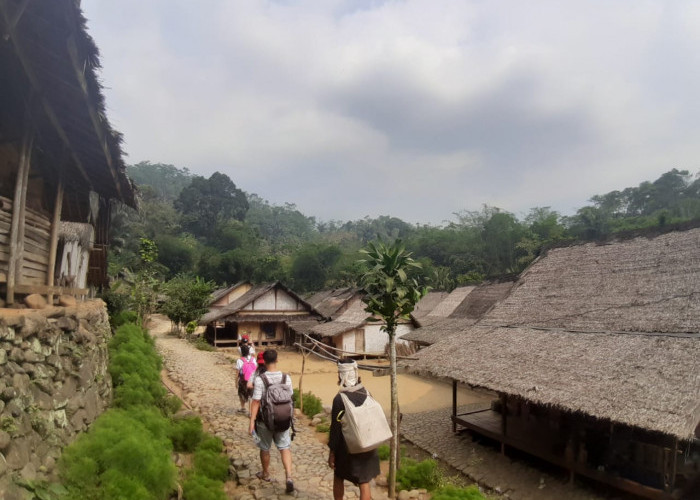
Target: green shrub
[198,487]
[454,493]
[202,344]
[312,404]
[122,318]
[414,475]
[186,433]
[323,427]
[211,443]
[384,450]
[122,451]
[170,405]
[211,464]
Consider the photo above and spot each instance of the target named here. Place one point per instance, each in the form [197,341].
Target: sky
[415,109]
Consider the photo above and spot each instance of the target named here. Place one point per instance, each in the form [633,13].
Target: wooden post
[504,414]
[14,264]
[55,224]
[454,406]
[304,353]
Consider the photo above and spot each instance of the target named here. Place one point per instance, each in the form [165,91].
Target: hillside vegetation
[212,229]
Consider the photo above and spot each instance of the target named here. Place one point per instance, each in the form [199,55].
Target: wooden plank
[38,266]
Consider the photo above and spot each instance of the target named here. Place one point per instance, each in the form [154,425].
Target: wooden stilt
[53,244]
[454,406]
[14,264]
[504,414]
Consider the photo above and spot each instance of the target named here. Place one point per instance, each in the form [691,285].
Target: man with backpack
[271,417]
[246,366]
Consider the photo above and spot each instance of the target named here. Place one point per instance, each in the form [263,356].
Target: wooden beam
[454,405]
[55,225]
[504,417]
[14,262]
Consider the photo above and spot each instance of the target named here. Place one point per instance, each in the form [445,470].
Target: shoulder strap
[265,380]
[284,379]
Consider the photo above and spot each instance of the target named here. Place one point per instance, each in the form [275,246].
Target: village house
[594,361]
[352,335]
[262,312]
[61,162]
[451,318]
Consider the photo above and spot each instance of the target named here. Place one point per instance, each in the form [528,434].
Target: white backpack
[365,426]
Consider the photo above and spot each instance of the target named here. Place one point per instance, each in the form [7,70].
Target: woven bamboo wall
[37,232]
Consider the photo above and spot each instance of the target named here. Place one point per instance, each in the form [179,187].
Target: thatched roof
[304,326]
[332,303]
[229,312]
[50,54]
[429,302]
[641,284]
[77,231]
[448,305]
[646,381]
[354,317]
[482,299]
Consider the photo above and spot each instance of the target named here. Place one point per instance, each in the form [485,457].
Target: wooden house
[60,159]
[594,356]
[436,326]
[225,296]
[351,333]
[263,312]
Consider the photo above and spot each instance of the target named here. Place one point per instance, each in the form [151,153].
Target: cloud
[408,108]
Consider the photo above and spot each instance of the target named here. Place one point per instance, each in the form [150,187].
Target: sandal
[290,486]
[260,476]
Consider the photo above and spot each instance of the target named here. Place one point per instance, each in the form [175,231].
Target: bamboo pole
[14,264]
[454,405]
[55,224]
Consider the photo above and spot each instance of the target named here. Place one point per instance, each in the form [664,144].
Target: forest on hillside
[208,227]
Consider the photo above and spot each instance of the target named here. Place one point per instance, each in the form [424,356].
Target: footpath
[207,383]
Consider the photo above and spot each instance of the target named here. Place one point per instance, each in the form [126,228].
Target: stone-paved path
[207,380]
[517,480]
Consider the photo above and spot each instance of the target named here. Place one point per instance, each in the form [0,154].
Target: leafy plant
[391,293]
[186,433]
[199,487]
[211,464]
[323,427]
[188,299]
[413,475]
[312,404]
[450,492]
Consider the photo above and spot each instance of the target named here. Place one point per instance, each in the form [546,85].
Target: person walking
[246,366]
[271,414]
[358,468]
[259,371]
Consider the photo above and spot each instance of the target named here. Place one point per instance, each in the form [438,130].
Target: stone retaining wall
[53,384]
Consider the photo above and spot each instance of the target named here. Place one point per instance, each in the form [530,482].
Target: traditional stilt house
[436,326]
[263,313]
[60,160]
[352,335]
[594,357]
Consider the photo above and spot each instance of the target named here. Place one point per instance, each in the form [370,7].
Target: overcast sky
[415,109]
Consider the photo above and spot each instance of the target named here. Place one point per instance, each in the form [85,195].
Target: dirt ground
[415,393]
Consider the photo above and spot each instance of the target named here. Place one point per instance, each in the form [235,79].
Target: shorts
[282,439]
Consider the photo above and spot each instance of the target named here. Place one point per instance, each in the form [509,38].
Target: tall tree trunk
[394,446]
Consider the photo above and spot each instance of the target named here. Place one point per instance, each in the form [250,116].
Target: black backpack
[277,404]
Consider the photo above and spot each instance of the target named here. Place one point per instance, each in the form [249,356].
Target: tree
[391,293]
[207,202]
[188,299]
